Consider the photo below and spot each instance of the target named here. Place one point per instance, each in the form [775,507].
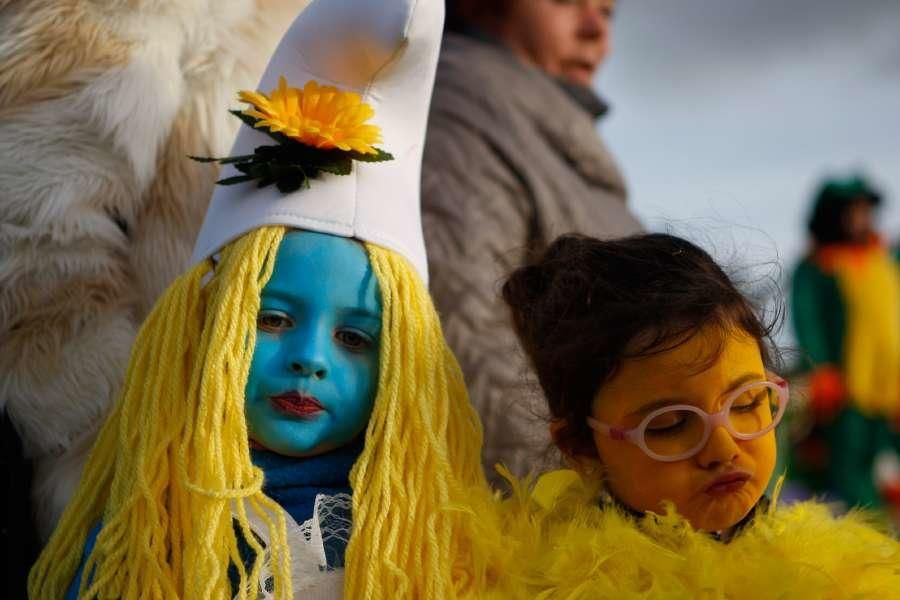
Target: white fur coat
[100,104]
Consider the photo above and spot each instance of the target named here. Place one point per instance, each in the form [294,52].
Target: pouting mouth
[297,404]
[729,482]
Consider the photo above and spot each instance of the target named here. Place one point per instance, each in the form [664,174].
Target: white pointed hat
[386,51]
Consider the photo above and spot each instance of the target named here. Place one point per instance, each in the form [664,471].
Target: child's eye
[273,321]
[667,423]
[748,403]
[353,339]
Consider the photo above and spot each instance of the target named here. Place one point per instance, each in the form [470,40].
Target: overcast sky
[726,113]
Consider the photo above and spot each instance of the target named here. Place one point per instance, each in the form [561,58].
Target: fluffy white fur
[100,104]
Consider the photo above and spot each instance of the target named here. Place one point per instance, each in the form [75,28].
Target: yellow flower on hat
[320,116]
[317,130]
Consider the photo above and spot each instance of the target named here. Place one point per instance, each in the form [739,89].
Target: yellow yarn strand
[422,454]
[170,472]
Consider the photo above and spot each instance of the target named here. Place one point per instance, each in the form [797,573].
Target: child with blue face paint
[313,377]
[300,361]
[314,372]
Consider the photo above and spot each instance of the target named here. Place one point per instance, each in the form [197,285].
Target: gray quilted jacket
[511,162]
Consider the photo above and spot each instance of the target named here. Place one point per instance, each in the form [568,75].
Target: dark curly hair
[586,305]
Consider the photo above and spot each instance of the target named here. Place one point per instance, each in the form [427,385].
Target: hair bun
[548,288]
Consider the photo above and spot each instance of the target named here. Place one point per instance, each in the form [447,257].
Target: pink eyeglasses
[680,431]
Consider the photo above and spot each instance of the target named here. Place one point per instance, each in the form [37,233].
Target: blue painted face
[314,373]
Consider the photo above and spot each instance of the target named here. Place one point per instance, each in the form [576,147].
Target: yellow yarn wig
[171,473]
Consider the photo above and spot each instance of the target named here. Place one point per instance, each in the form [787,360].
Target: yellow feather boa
[559,544]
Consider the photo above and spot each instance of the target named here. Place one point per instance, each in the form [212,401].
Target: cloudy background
[726,113]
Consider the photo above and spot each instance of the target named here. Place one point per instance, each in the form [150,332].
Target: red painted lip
[728,484]
[296,404]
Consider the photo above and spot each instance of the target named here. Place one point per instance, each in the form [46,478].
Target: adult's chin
[580,77]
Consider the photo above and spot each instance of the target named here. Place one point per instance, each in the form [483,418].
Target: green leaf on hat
[379,156]
[289,164]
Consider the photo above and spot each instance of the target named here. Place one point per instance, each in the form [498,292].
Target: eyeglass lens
[678,431]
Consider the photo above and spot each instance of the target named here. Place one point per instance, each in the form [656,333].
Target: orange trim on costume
[829,256]
[827,391]
[891,493]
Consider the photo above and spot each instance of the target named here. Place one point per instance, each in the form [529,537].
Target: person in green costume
[846,314]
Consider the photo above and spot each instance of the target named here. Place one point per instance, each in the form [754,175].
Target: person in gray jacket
[512,160]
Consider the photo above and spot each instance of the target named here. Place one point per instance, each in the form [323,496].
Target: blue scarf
[294,482]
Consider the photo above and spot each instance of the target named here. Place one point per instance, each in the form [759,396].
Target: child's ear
[589,466]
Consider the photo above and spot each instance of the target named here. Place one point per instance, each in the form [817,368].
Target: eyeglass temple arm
[615,433]
[777,379]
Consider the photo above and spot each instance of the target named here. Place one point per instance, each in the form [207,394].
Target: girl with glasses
[659,379]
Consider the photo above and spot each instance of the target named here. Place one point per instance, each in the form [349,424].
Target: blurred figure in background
[846,311]
[512,160]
